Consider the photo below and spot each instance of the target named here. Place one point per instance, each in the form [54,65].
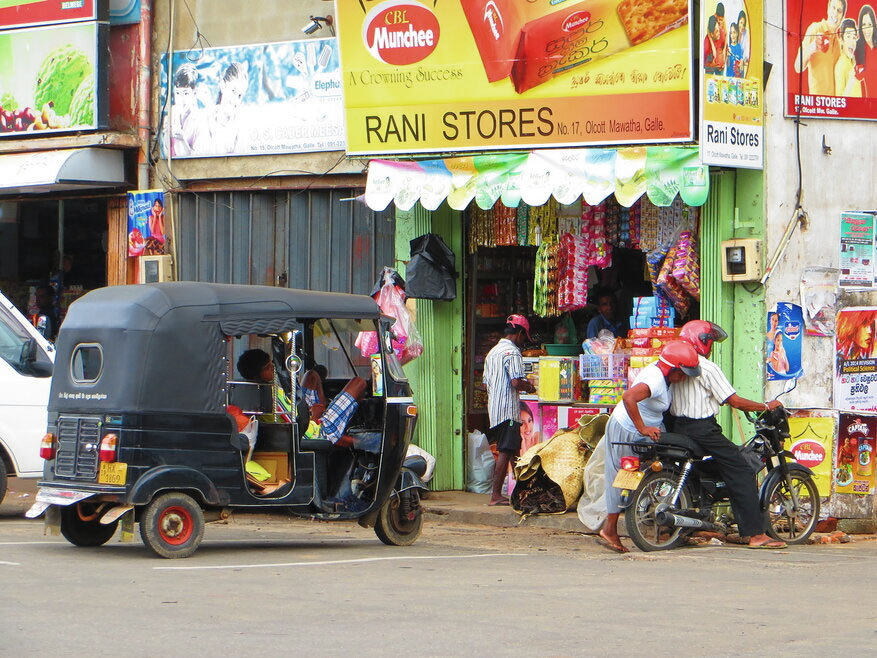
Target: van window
[87,363]
[13,338]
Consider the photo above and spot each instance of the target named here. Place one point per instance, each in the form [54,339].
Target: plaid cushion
[337,416]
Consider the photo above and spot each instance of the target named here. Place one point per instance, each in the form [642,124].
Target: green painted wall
[436,376]
[734,210]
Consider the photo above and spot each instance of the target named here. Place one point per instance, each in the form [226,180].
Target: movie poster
[831,59]
[146,224]
[855,376]
[854,471]
[783,342]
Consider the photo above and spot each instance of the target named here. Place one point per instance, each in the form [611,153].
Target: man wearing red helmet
[639,417]
[504,379]
[694,407]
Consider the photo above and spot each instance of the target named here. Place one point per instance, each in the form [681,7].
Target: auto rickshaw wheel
[172,525]
[400,520]
[81,526]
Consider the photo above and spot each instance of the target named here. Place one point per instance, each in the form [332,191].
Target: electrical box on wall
[156,269]
[741,260]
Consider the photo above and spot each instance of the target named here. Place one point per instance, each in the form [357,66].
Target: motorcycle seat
[682,441]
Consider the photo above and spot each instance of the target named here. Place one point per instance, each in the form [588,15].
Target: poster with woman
[855,375]
[146,223]
[783,342]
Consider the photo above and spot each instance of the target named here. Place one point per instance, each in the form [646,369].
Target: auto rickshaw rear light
[630,463]
[48,446]
[411,410]
[108,446]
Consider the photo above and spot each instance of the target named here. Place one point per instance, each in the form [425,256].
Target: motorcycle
[674,489]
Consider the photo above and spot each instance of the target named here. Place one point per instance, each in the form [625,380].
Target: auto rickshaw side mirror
[239,441]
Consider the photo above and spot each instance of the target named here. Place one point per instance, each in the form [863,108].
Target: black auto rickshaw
[140,428]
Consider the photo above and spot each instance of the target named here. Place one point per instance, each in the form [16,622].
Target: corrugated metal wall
[307,239]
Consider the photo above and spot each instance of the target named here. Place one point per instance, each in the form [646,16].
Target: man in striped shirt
[695,404]
[504,379]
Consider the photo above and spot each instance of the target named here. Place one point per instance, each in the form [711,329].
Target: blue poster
[146,227]
[785,331]
[253,100]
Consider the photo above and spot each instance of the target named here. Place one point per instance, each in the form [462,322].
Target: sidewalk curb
[565,522]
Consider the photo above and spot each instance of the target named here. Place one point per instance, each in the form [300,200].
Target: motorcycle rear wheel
[400,524]
[639,517]
[779,522]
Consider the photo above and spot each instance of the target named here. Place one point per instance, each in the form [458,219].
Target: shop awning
[660,172]
[63,169]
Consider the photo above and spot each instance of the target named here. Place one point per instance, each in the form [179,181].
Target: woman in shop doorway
[866,50]
[605,318]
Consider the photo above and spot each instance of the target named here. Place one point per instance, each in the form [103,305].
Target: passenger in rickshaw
[256,365]
[312,387]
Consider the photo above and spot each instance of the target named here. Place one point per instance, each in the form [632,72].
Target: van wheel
[81,526]
[400,520]
[2,480]
[172,525]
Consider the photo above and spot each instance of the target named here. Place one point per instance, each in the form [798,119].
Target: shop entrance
[555,264]
[61,243]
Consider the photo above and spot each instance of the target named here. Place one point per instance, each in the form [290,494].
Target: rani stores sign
[471,75]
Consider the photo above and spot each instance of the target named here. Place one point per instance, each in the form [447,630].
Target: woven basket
[563,457]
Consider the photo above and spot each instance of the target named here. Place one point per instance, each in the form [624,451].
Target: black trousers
[738,476]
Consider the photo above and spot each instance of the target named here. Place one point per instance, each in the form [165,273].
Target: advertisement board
[146,224]
[53,79]
[854,472]
[831,59]
[731,87]
[474,75]
[855,375]
[857,250]
[30,13]
[785,331]
[811,441]
[124,12]
[253,100]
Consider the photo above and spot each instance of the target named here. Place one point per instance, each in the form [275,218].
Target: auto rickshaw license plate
[114,473]
[627,479]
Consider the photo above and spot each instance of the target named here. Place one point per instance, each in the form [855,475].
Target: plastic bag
[407,342]
[480,463]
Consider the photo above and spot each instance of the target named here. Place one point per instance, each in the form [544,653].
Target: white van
[26,360]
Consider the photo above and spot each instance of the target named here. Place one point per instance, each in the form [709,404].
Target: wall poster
[785,331]
[857,250]
[855,454]
[855,375]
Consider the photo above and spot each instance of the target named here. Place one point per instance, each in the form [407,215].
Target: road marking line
[11,564]
[29,543]
[350,561]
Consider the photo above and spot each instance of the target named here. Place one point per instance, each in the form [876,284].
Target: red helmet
[679,354]
[520,321]
[701,334]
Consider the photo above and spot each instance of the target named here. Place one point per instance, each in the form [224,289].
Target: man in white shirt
[695,404]
[504,379]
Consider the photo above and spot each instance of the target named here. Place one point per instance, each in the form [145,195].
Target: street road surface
[308,588]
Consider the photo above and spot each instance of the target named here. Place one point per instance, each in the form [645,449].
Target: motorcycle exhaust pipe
[678,521]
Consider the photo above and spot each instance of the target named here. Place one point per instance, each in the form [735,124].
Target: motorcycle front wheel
[639,517]
[784,524]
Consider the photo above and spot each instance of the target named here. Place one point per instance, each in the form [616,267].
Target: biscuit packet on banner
[536,41]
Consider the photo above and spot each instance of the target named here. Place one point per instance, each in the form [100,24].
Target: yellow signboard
[812,442]
[458,75]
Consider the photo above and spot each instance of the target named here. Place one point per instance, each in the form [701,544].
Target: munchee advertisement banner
[252,100]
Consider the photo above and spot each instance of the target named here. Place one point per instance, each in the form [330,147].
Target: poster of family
[249,100]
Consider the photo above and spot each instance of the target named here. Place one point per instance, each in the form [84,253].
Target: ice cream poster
[51,80]
[854,468]
[785,329]
[146,223]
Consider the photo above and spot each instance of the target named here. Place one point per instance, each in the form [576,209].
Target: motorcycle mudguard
[774,475]
[408,480]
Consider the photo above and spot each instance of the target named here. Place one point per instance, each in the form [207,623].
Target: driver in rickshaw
[331,424]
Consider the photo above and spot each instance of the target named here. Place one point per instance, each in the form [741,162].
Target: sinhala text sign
[456,75]
[731,99]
